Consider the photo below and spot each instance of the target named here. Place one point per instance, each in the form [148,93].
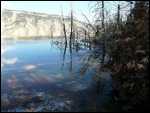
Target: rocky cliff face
[22,23]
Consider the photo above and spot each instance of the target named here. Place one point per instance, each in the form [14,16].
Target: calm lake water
[43,75]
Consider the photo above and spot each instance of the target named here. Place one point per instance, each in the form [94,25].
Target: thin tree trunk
[118,17]
[64,28]
[71,27]
[103,44]
[85,34]
[89,22]
[103,14]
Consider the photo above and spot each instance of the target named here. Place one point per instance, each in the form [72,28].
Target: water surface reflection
[38,76]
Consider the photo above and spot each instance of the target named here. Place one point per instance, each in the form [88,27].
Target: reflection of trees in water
[99,86]
[97,57]
[91,65]
[70,60]
[64,54]
[99,95]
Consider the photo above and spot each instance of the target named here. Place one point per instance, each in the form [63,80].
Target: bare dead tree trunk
[118,16]
[85,33]
[102,14]
[103,40]
[89,22]
[131,5]
[64,28]
[71,32]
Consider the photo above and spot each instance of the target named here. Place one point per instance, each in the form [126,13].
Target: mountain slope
[22,23]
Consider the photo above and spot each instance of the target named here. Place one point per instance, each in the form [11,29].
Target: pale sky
[53,7]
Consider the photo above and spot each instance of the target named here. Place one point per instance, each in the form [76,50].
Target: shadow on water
[64,54]
[97,95]
[71,81]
